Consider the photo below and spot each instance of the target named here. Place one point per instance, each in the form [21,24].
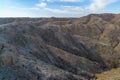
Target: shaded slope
[59,48]
[25,48]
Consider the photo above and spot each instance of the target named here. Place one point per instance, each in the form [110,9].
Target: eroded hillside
[59,48]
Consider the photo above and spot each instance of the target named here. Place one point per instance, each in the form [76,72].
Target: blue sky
[56,8]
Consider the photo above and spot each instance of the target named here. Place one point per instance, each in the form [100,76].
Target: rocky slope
[59,48]
[110,75]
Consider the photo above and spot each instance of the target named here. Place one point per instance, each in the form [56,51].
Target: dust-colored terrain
[113,74]
[60,48]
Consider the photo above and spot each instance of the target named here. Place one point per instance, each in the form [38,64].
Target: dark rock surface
[58,48]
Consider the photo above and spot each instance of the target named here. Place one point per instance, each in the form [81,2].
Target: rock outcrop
[58,48]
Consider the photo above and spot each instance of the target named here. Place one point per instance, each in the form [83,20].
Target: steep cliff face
[58,48]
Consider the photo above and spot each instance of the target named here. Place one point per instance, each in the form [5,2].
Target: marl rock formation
[59,48]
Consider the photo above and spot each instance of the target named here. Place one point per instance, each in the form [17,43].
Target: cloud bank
[57,8]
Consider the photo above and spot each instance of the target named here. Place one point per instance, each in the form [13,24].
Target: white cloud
[62,13]
[66,11]
[65,0]
[41,4]
[71,0]
[14,13]
[43,9]
[43,0]
[56,10]
[99,4]
[23,12]
[73,8]
[33,8]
